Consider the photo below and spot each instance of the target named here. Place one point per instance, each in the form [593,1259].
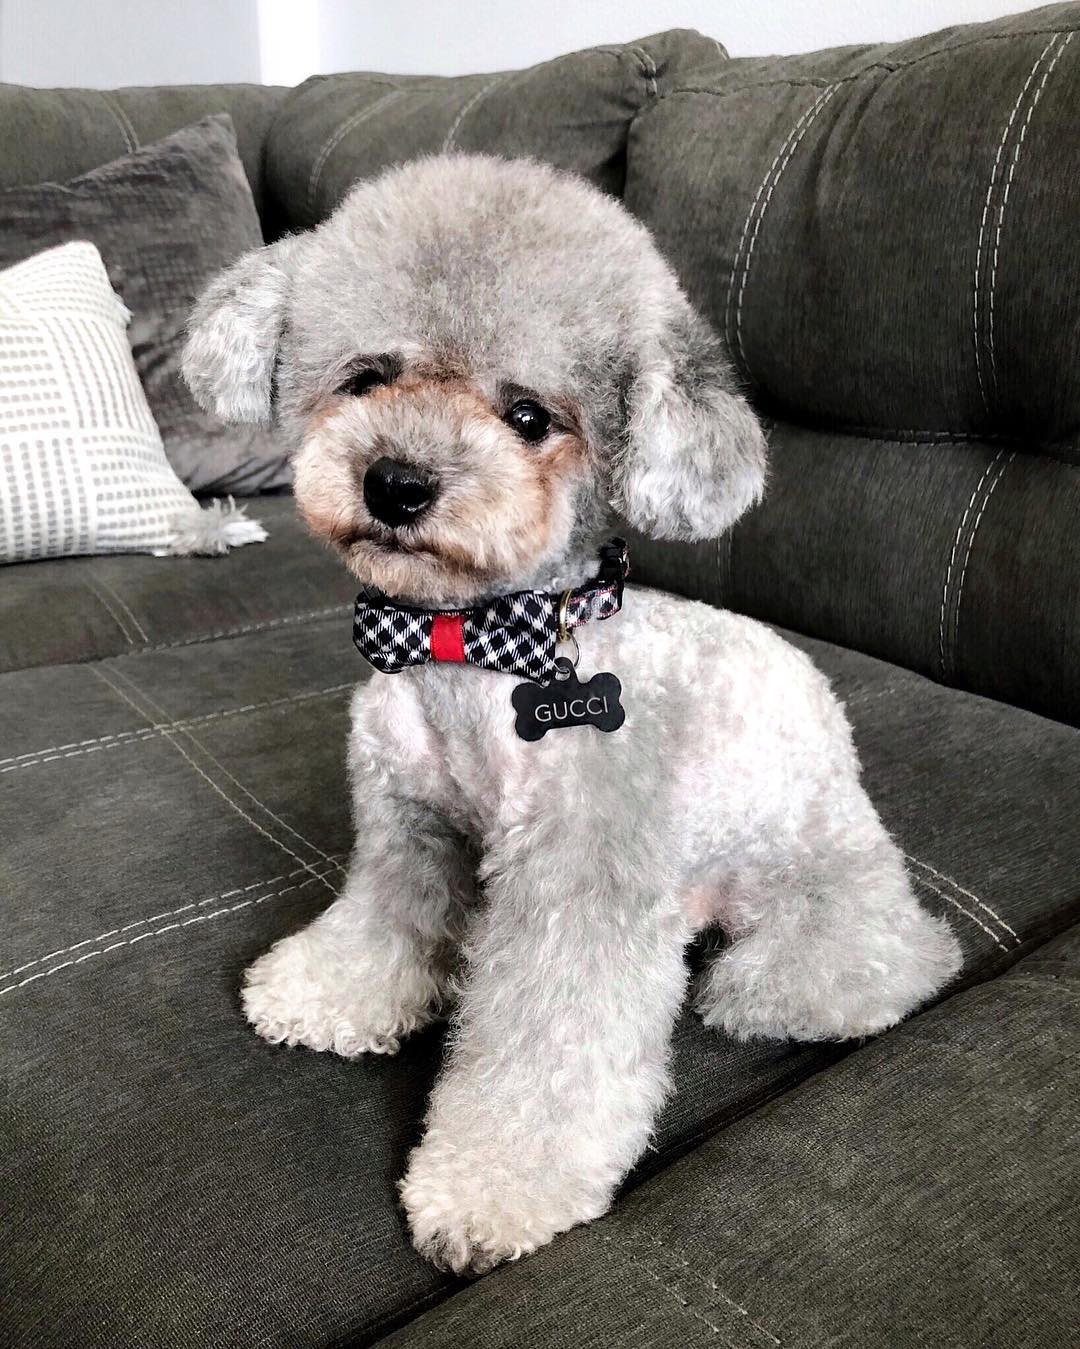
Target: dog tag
[566,701]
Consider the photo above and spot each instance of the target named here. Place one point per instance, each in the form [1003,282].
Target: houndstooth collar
[516,634]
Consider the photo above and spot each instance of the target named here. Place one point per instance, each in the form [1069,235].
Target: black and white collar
[515,634]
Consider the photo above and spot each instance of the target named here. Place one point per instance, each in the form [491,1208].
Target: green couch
[887,238]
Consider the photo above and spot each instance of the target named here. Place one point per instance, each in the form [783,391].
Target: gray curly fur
[729,797]
[507,269]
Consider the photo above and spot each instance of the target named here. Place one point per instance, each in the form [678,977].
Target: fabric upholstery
[169,812]
[572,112]
[172,794]
[870,223]
[166,219]
[921,1192]
[62,611]
[55,134]
[961,562]
[883,235]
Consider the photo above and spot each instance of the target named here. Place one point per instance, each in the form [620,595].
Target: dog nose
[396,492]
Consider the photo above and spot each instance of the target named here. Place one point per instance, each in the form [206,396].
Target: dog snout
[397,492]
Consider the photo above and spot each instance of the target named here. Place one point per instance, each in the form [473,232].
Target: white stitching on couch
[686,1306]
[986,212]
[708,1283]
[971,541]
[629,1254]
[106,604]
[921,880]
[889,69]
[478,97]
[157,932]
[822,100]
[338,134]
[120,117]
[957,886]
[750,215]
[263,626]
[170,737]
[168,913]
[101,581]
[1005,196]
[218,764]
[118,738]
[952,557]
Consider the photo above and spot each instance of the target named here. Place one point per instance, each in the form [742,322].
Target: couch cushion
[51,135]
[167,813]
[921,1192]
[79,609]
[166,219]
[883,235]
[962,562]
[573,112]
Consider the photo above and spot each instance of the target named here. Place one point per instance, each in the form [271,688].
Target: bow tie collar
[515,634]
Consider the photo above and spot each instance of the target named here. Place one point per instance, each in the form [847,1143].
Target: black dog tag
[567,702]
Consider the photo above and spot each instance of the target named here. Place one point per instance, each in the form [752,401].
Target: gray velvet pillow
[164,219]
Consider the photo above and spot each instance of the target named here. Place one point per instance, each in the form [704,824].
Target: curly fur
[549,889]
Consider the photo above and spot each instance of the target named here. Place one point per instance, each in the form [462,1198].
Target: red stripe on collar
[448,637]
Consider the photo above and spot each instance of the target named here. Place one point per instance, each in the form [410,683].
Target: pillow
[82,469]
[165,219]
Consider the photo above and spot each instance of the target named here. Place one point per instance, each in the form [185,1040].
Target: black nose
[396,492]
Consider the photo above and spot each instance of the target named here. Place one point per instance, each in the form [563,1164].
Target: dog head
[475,361]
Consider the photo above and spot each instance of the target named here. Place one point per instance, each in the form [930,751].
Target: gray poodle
[479,363]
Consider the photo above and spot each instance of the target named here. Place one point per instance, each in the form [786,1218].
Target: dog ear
[234,333]
[694,455]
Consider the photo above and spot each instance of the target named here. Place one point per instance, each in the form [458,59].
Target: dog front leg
[559,1063]
[374,966]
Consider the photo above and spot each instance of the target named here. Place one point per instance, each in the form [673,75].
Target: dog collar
[515,634]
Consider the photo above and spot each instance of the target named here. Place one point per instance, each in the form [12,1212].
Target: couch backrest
[55,134]
[302,148]
[573,111]
[887,237]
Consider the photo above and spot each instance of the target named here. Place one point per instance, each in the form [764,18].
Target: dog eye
[362,382]
[529,420]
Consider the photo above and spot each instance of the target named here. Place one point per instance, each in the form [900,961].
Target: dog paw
[847,956]
[468,1213]
[725,1009]
[793,1005]
[296,995]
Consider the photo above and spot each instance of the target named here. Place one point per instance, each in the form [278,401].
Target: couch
[886,237]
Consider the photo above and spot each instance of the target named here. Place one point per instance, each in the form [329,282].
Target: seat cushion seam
[198,744]
[215,786]
[316,875]
[168,913]
[119,738]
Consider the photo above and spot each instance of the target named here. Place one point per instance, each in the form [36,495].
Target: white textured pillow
[82,468]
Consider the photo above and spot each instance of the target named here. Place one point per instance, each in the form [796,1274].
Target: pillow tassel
[210,530]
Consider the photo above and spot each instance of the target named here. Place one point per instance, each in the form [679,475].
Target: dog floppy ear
[694,456]
[233,335]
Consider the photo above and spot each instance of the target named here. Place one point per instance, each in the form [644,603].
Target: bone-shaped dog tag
[568,702]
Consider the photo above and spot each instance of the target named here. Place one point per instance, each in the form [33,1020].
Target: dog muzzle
[515,634]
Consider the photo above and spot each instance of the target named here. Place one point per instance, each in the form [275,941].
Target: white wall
[106,43]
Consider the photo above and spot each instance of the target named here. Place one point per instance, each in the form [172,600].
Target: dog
[479,363]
